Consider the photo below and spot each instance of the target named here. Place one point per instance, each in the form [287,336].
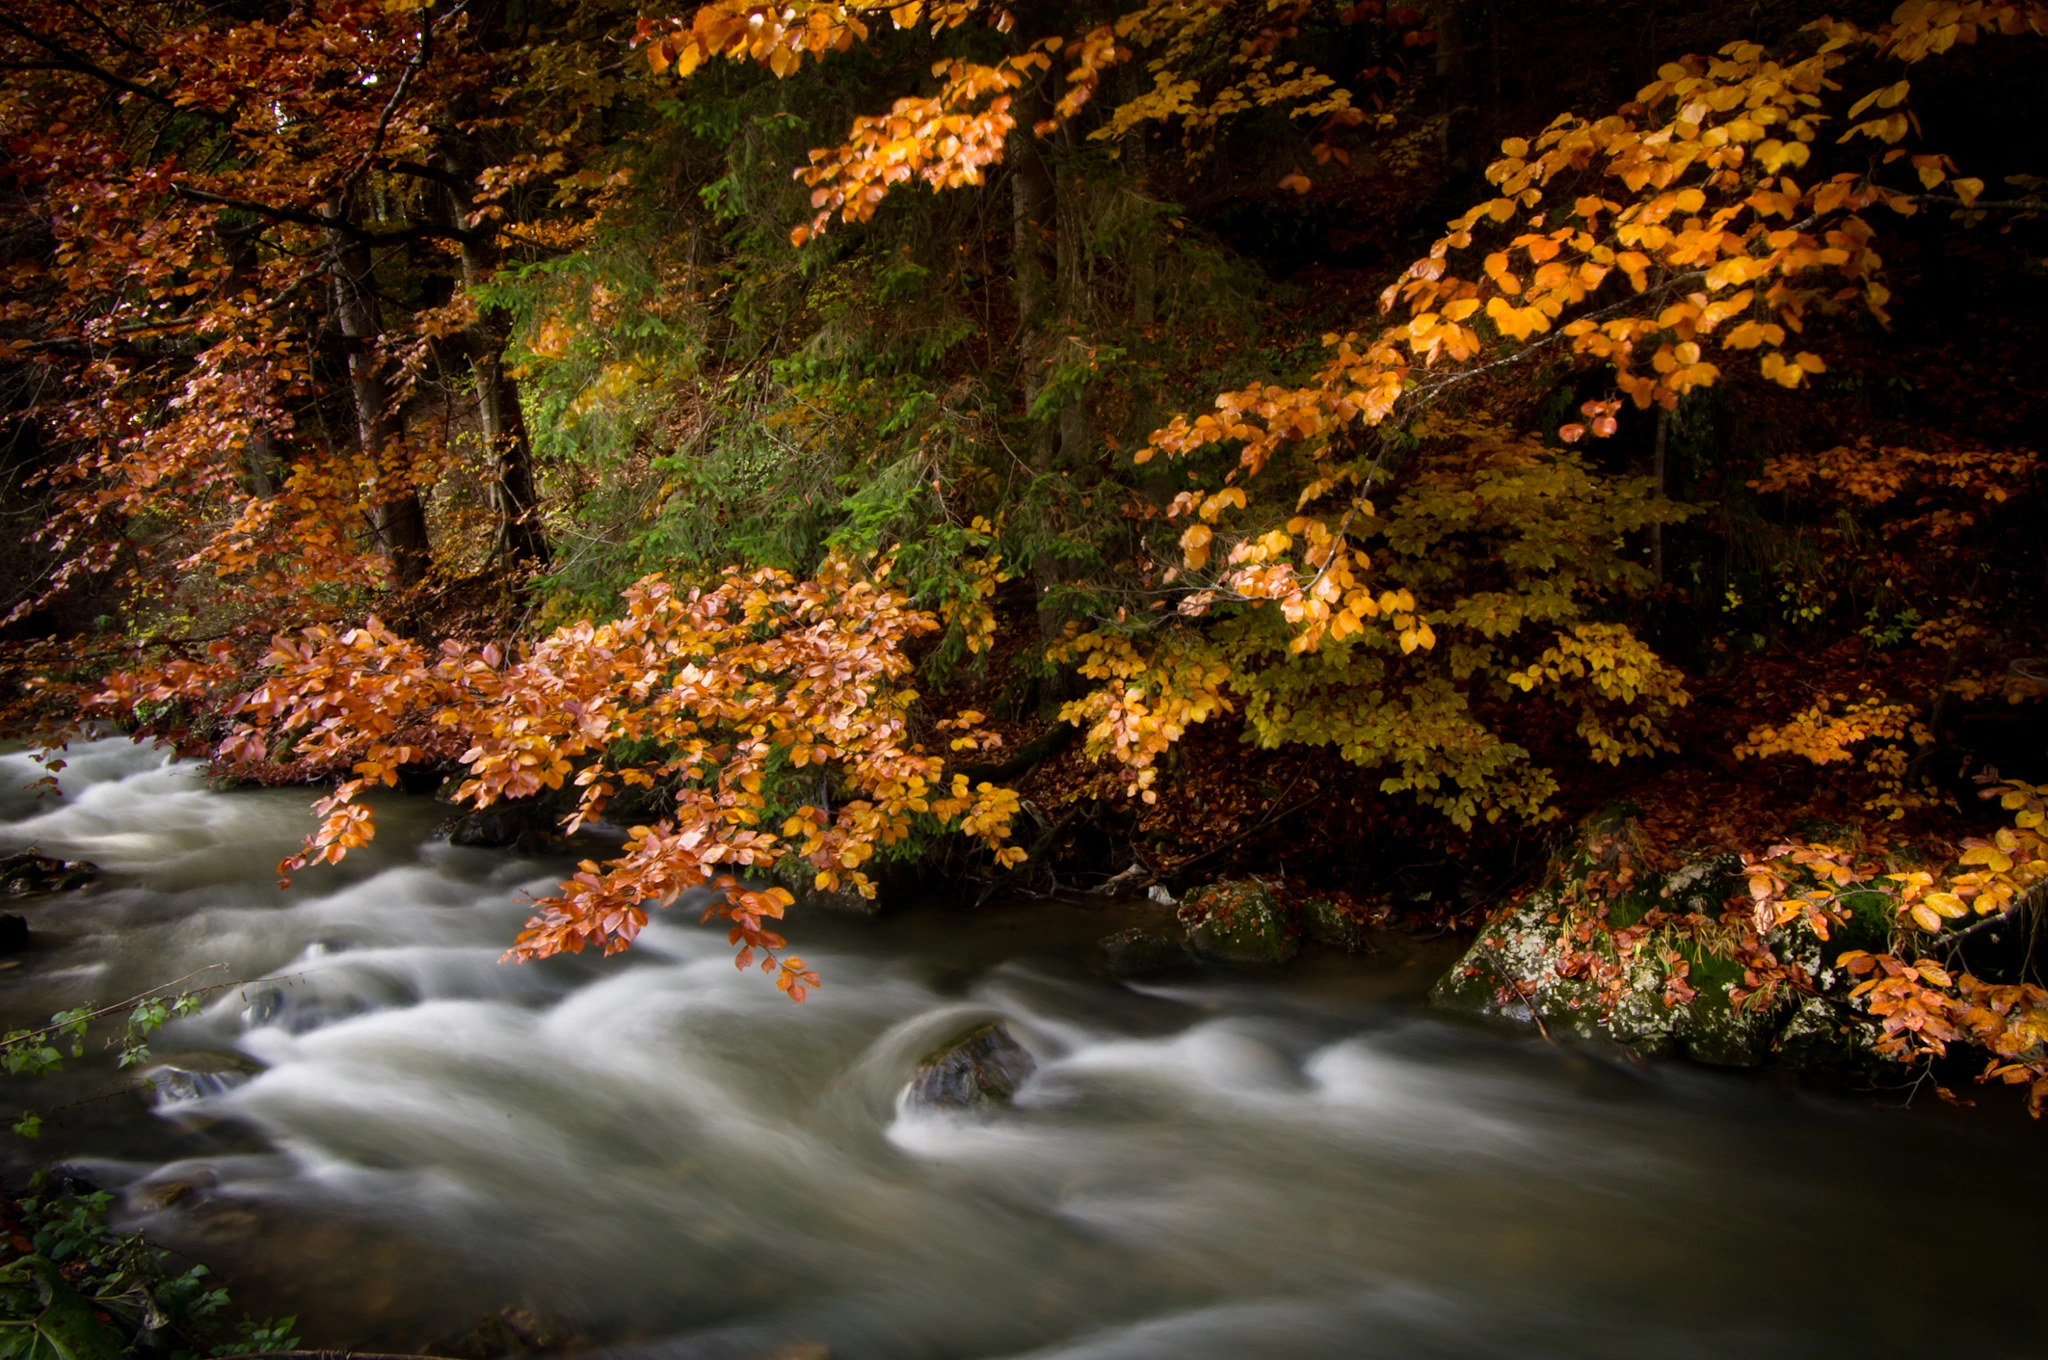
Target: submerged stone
[1238,922]
[981,1070]
[1141,950]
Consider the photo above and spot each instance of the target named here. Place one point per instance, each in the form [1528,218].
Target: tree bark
[1144,249]
[1034,227]
[1657,480]
[521,541]
[400,521]
[514,496]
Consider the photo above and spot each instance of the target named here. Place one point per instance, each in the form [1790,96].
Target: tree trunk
[1450,74]
[1070,283]
[399,522]
[521,540]
[1657,480]
[1033,222]
[1144,256]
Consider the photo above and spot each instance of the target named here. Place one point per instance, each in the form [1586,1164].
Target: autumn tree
[233,291]
[1112,334]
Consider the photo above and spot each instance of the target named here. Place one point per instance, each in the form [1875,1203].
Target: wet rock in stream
[1239,922]
[1336,924]
[981,1070]
[29,872]
[193,1076]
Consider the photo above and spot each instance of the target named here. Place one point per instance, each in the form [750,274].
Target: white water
[669,1157]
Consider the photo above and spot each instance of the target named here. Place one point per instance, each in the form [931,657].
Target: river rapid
[389,1133]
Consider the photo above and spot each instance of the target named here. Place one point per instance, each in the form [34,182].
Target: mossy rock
[1511,974]
[1824,1034]
[1328,921]
[1715,1031]
[1238,922]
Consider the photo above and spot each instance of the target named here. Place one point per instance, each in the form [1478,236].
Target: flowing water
[389,1133]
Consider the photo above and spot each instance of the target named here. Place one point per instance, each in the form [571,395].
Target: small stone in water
[194,1076]
[982,1070]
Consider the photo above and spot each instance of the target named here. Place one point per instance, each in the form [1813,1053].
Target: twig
[1500,969]
[122,1005]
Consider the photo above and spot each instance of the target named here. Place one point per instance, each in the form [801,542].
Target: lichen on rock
[1659,962]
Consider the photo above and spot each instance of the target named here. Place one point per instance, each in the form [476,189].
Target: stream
[390,1134]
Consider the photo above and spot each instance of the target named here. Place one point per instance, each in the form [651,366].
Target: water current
[389,1133]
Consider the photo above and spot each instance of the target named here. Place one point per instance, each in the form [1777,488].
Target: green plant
[77,1290]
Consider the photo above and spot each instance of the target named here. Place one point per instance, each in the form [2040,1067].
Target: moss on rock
[1238,922]
[1556,958]
[1328,921]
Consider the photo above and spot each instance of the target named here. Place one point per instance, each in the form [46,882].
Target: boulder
[1141,950]
[980,1070]
[1530,962]
[1339,925]
[1238,922]
[1823,1034]
[1543,960]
